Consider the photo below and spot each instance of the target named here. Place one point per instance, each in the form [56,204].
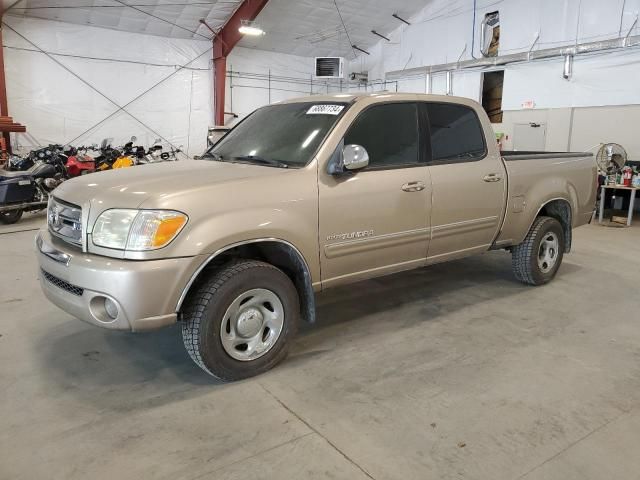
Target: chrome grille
[65,221]
[66,286]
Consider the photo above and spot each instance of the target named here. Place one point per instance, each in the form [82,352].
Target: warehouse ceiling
[167,18]
[300,27]
[315,27]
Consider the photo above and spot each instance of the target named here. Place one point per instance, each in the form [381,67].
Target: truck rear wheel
[537,259]
[10,217]
[239,321]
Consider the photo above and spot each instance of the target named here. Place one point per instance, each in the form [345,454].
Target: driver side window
[389,133]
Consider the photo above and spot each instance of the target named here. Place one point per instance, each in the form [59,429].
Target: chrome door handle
[413,187]
[492,177]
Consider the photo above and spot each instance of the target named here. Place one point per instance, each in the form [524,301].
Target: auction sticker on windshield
[325,110]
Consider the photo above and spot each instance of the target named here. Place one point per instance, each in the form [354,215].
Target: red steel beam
[4,107]
[223,43]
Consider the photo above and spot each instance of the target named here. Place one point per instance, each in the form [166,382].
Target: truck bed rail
[510,156]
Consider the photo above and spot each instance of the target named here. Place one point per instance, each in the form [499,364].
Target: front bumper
[145,292]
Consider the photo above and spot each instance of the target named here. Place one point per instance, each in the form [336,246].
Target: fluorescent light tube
[249,30]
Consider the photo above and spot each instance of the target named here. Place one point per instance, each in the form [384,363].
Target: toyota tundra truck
[299,197]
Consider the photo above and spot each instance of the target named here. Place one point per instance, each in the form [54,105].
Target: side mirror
[354,157]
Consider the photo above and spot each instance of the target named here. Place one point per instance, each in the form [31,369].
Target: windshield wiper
[215,156]
[261,160]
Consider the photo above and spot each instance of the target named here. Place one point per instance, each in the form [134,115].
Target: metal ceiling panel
[300,27]
[171,18]
[314,27]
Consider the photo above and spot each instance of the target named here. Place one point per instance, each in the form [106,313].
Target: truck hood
[131,187]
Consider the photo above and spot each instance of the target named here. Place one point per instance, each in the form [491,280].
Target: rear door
[468,182]
[375,220]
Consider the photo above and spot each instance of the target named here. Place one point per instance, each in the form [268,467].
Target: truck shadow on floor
[137,369]
[440,289]
[405,299]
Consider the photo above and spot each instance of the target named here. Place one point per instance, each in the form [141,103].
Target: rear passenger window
[389,133]
[456,133]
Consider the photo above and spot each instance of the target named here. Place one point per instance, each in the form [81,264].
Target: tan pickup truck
[299,197]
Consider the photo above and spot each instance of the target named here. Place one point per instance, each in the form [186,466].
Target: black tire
[11,217]
[205,308]
[524,257]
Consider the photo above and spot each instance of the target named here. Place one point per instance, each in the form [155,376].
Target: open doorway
[492,94]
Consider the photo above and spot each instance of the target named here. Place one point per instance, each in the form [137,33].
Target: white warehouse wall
[116,69]
[443,32]
[58,107]
[257,77]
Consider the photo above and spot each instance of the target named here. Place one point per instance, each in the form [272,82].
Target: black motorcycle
[15,163]
[28,190]
[44,154]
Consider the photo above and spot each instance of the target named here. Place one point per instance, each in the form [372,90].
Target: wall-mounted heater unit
[329,67]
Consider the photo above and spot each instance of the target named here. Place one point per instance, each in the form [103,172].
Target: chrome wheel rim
[252,324]
[548,252]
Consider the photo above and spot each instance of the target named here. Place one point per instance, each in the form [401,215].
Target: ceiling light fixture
[250,28]
[380,35]
[355,47]
[395,15]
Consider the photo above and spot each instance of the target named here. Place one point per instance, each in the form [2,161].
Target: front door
[375,220]
[467,180]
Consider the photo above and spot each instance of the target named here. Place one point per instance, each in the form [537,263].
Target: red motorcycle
[79,163]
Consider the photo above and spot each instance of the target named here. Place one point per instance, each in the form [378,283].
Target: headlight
[137,230]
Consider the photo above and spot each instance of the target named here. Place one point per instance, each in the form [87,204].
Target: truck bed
[530,185]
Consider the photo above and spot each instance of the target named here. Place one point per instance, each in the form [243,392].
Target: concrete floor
[456,371]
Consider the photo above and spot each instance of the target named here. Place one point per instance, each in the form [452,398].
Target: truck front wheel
[239,321]
[537,259]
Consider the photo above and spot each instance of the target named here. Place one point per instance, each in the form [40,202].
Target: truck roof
[386,95]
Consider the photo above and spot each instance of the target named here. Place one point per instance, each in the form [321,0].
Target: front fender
[216,233]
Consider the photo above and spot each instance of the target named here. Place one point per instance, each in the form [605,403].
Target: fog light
[111,308]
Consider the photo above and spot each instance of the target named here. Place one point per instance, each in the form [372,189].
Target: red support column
[219,85]
[219,79]
[6,122]
[223,43]
[4,107]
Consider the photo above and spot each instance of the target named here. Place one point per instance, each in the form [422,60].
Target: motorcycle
[16,162]
[44,154]
[79,162]
[156,154]
[152,155]
[171,156]
[108,156]
[130,155]
[28,190]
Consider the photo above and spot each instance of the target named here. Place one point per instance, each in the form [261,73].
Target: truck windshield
[284,135]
